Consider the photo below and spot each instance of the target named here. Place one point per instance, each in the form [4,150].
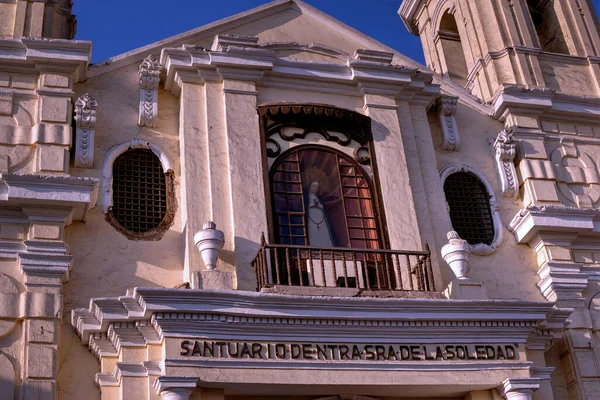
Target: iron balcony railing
[368,269]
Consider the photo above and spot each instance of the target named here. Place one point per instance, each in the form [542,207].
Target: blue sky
[119,26]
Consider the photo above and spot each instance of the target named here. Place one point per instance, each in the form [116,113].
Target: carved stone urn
[209,241]
[456,253]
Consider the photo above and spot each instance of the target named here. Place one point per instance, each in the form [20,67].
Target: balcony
[318,270]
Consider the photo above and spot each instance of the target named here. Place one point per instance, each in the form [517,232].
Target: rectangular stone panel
[23,82]
[41,361]
[41,331]
[12,232]
[39,390]
[54,80]
[6,103]
[51,158]
[48,232]
[54,109]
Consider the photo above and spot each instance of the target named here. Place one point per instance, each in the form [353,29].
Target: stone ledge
[350,292]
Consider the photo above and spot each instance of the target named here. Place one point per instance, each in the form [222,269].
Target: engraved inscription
[348,352]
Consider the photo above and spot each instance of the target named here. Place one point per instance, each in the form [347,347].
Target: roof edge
[138,54]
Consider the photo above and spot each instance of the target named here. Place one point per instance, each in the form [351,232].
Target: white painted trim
[480,249]
[116,151]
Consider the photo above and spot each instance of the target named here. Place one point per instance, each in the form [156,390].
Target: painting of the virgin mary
[319,229]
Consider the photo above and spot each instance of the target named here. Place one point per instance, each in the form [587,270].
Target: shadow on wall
[10,389]
[106,264]
[246,250]
[379,131]
[528,148]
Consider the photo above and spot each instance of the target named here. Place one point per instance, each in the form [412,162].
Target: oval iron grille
[139,191]
[469,204]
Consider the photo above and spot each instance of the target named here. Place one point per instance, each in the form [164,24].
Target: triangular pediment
[291,27]
[293,30]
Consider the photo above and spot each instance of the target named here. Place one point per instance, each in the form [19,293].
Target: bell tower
[485,45]
[37,19]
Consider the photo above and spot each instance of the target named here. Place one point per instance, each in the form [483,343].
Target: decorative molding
[505,150]
[78,193]
[149,72]
[85,122]
[480,249]
[364,72]
[69,56]
[446,107]
[336,125]
[571,177]
[560,280]
[409,13]
[116,151]
[268,313]
[124,370]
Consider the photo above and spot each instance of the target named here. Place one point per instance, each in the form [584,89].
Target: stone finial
[456,253]
[149,78]
[210,241]
[446,107]
[505,150]
[85,124]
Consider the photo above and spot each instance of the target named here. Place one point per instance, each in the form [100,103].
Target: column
[44,265]
[518,389]
[176,394]
[175,388]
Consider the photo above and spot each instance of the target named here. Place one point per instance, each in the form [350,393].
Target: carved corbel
[149,78]
[85,123]
[505,149]
[446,107]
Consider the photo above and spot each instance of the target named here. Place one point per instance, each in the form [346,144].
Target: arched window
[322,198]
[469,206]
[473,208]
[139,196]
[453,49]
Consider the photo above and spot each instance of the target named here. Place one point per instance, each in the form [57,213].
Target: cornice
[409,11]
[72,55]
[165,305]
[53,191]
[560,219]
[366,72]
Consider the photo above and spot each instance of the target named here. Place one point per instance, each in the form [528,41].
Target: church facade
[276,206]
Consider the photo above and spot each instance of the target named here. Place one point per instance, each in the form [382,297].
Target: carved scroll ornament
[446,108]
[85,123]
[149,78]
[505,149]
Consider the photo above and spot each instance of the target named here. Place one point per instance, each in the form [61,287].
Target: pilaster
[388,93]
[229,142]
[33,218]
[246,178]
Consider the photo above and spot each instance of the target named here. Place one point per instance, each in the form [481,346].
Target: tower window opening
[547,26]
[453,49]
